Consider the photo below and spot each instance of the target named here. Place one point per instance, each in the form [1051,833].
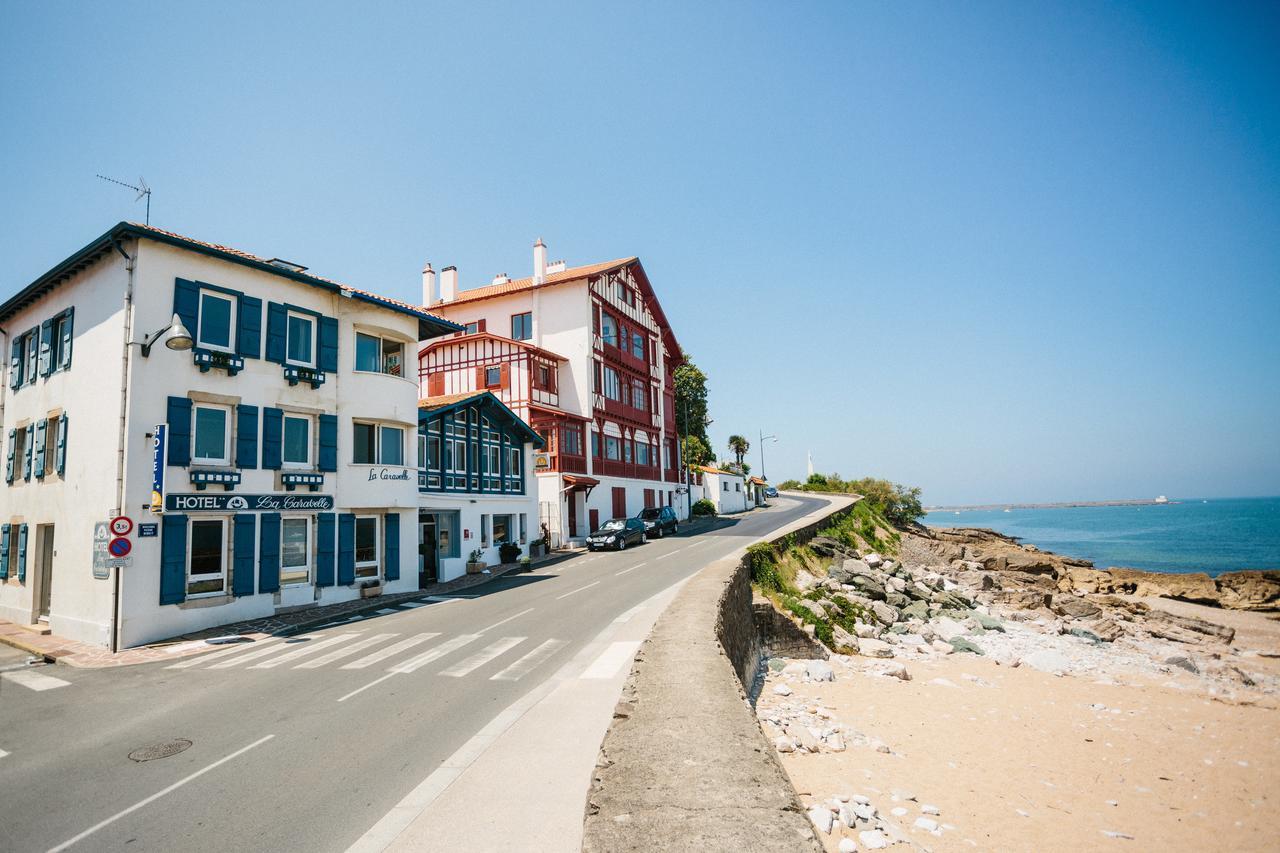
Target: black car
[658,520]
[617,533]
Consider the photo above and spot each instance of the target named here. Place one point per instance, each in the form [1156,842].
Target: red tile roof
[435,343]
[517,285]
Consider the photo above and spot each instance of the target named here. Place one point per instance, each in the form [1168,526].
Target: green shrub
[704,507]
[762,560]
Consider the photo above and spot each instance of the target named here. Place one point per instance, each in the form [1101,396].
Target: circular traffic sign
[122,525]
[119,547]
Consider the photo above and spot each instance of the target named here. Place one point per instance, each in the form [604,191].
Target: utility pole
[763,439]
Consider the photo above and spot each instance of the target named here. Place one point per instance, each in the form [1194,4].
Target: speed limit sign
[122,525]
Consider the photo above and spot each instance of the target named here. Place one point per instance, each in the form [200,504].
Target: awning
[580,483]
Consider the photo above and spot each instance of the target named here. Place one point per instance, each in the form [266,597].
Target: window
[501,529]
[595,444]
[51,447]
[639,395]
[726,486]
[207,557]
[524,527]
[366,546]
[612,389]
[297,440]
[33,356]
[300,342]
[377,445]
[484,531]
[609,329]
[492,377]
[572,441]
[522,326]
[391,451]
[20,451]
[612,447]
[61,339]
[513,461]
[379,355]
[637,345]
[365,444]
[295,548]
[642,453]
[545,378]
[447,537]
[217,317]
[666,455]
[471,328]
[422,450]
[212,444]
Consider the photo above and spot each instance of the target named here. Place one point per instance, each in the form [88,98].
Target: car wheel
[661,533]
[622,544]
[675,528]
[644,538]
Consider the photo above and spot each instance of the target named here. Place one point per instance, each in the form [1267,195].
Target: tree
[691,401]
[738,446]
[695,451]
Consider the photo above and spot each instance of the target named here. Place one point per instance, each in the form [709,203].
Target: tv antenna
[142,191]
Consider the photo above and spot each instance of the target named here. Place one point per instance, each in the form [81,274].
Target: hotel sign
[247,503]
[158,445]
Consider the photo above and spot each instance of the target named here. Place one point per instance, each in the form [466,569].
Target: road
[308,742]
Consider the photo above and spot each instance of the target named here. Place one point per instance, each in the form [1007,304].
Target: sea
[1185,535]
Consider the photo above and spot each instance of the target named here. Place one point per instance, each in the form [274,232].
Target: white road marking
[526,664]
[579,589]
[252,654]
[438,652]
[3,753]
[33,680]
[393,649]
[151,799]
[385,610]
[612,659]
[344,651]
[479,659]
[301,650]
[626,617]
[413,604]
[508,619]
[221,653]
[367,686]
[632,569]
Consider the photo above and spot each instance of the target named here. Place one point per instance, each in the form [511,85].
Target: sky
[1003,251]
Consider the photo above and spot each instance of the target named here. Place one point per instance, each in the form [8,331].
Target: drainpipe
[129,264]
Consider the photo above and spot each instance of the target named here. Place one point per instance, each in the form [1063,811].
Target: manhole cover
[164,749]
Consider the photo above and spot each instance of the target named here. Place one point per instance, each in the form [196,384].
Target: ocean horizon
[1211,535]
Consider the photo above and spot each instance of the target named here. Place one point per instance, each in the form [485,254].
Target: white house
[259,450]
[728,491]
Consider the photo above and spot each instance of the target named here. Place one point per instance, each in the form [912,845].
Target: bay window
[376,354]
[612,388]
[375,444]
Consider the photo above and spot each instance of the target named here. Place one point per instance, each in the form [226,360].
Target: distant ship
[1008,510]
[1162,500]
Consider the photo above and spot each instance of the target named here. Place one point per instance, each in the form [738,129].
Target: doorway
[573,514]
[428,550]
[44,571]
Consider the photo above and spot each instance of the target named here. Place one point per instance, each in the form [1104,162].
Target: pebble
[865,811]
[784,744]
[1110,833]
[847,845]
[897,811]
[873,839]
[861,800]
[835,743]
[782,690]
[819,670]
[928,824]
[821,817]
[928,809]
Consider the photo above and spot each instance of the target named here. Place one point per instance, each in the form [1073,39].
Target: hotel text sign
[247,503]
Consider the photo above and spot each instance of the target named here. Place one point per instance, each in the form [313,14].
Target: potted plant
[508,552]
[538,548]
[524,564]
[476,563]
[370,588]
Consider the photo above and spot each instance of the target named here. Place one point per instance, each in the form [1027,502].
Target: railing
[672,476]
[617,468]
[569,464]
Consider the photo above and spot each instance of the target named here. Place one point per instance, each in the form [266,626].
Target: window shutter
[4,551]
[391,546]
[64,362]
[480,378]
[249,327]
[246,437]
[42,427]
[327,359]
[272,438]
[328,460]
[346,548]
[480,325]
[269,553]
[15,365]
[46,347]
[8,466]
[504,376]
[435,384]
[173,559]
[30,442]
[186,304]
[277,317]
[179,420]
[242,554]
[324,548]
[22,554]
[60,457]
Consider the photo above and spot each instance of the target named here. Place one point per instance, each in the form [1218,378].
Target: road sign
[146,530]
[119,547]
[101,557]
[122,525]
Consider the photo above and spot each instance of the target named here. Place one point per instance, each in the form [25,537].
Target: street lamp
[763,439]
[176,337]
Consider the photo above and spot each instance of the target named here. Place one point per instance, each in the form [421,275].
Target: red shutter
[594,515]
[504,380]
[435,384]
[480,378]
[619,502]
[480,325]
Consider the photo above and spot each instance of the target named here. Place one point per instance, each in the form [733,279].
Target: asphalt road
[305,743]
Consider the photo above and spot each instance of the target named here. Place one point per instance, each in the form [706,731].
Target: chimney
[428,284]
[501,278]
[448,284]
[539,262]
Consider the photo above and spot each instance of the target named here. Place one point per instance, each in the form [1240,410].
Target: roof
[430,325]
[758,481]
[707,469]
[429,407]
[482,336]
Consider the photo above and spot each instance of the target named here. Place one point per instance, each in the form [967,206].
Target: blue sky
[1003,251]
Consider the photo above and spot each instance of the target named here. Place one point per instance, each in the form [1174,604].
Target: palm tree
[739,447]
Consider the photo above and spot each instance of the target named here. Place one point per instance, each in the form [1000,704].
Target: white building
[586,356]
[287,459]
[726,490]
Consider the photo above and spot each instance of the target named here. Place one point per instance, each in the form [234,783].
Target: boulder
[1183,662]
[1249,590]
[842,640]
[822,818]
[950,601]
[819,670]
[988,623]
[886,613]
[847,845]
[1074,606]
[915,610]
[873,839]
[869,587]
[824,546]
[960,644]
[872,648]
[1199,628]
[802,736]
[873,560]
[1106,630]
[896,599]
[948,629]
[863,630]
[1048,660]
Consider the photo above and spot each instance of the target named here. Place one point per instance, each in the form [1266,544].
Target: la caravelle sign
[248,503]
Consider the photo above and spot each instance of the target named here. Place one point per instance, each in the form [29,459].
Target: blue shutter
[246,436]
[42,427]
[269,553]
[179,419]
[22,554]
[328,336]
[277,316]
[4,551]
[346,548]
[173,559]
[328,443]
[60,458]
[15,365]
[242,554]
[186,304]
[46,347]
[8,467]
[324,548]
[272,438]
[249,327]
[64,360]
[391,539]
[30,443]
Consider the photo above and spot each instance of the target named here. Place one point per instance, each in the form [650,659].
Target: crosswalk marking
[33,680]
[479,659]
[301,650]
[438,652]
[389,651]
[235,648]
[253,654]
[611,659]
[344,651]
[413,604]
[527,663]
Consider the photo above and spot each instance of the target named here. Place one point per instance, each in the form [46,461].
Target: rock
[869,587]
[942,682]
[861,799]
[896,599]
[941,646]
[896,584]
[947,628]
[864,811]
[803,737]
[777,664]
[873,839]
[989,623]
[1183,662]
[835,743]
[898,811]
[916,610]
[892,669]
[873,560]
[1106,630]
[887,614]
[795,667]
[1020,599]
[928,824]
[960,644]
[819,670]
[1047,660]
[1199,629]
[842,640]
[782,743]
[950,601]
[845,815]
[824,546]
[782,690]
[862,629]
[847,845]
[928,809]
[1074,606]
[821,817]
[1006,657]
[874,648]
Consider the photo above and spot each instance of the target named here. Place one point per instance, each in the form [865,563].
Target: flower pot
[370,591]
[476,568]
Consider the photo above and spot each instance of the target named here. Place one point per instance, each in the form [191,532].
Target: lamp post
[763,439]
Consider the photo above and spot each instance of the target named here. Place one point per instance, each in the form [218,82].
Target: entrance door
[45,570]
[648,498]
[595,519]
[619,502]
[573,514]
[428,551]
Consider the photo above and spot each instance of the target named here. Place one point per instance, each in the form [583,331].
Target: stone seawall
[684,765]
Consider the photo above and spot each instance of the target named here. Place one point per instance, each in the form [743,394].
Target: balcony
[671,476]
[618,468]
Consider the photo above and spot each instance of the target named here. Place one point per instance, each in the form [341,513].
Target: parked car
[617,533]
[659,520]
[770,492]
